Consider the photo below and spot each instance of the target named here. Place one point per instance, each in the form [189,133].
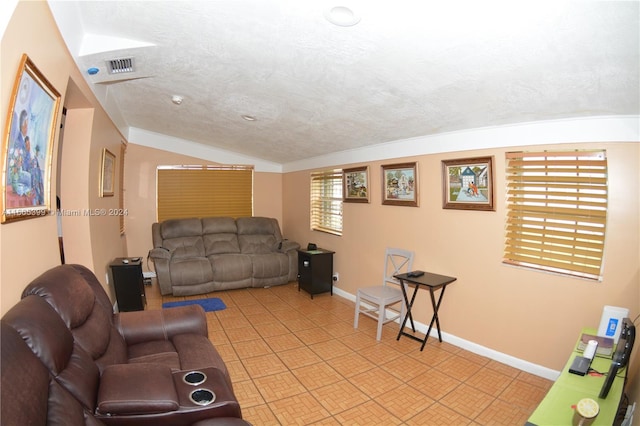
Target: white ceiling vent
[119,66]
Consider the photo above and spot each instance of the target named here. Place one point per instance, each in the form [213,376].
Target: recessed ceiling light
[248,117]
[342,16]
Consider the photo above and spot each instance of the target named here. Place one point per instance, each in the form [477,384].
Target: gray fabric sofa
[201,255]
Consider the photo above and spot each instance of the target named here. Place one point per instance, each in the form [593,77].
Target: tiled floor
[297,361]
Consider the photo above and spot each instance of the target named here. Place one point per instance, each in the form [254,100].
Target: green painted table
[568,389]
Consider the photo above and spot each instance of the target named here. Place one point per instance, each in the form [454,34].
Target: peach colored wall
[529,315]
[74,187]
[140,194]
[106,241]
[30,247]
[267,196]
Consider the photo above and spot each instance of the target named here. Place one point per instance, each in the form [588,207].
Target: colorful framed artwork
[28,145]
[467,184]
[400,184]
[355,185]
[107,173]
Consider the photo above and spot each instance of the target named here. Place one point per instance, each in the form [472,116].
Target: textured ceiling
[408,69]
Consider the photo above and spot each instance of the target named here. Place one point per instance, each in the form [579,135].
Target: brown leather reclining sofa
[67,359]
[195,256]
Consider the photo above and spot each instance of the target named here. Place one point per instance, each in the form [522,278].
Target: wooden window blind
[557,211]
[326,201]
[204,191]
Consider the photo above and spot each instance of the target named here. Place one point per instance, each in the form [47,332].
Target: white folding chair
[375,301]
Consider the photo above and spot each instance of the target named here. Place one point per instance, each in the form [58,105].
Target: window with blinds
[326,201]
[557,211]
[204,191]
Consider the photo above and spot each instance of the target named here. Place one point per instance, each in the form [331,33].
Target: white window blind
[557,211]
[204,191]
[326,201]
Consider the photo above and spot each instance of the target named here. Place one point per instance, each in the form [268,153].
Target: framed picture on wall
[400,184]
[467,184]
[355,185]
[107,173]
[28,145]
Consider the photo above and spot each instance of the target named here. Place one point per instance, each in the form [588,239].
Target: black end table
[315,271]
[128,283]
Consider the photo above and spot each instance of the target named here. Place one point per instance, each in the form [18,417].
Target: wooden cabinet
[128,283]
[315,271]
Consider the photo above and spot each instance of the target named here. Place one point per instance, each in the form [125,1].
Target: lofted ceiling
[406,69]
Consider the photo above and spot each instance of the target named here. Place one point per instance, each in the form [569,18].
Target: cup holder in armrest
[202,396]
[194,378]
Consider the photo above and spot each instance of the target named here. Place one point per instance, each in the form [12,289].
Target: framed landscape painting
[400,184]
[467,184]
[356,185]
[28,145]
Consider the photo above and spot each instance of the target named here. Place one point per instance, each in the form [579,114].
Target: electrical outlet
[336,276]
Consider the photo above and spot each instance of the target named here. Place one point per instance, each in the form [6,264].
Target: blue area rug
[211,304]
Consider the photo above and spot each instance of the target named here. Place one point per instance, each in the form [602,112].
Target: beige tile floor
[298,361]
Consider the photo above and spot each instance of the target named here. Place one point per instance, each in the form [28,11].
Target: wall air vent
[119,66]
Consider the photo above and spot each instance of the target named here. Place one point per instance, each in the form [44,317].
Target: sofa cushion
[259,226]
[116,353]
[188,252]
[257,244]
[74,300]
[26,404]
[189,271]
[30,395]
[258,235]
[270,265]
[221,243]
[181,247]
[219,225]
[176,228]
[43,330]
[220,235]
[79,299]
[157,352]
[51,341]
[231,267]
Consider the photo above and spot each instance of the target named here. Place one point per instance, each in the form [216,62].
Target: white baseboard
[520,364]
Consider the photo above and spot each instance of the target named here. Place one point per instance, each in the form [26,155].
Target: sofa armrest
[288,245]
[161,258]
[162,324]
[141,388]
[160,253]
